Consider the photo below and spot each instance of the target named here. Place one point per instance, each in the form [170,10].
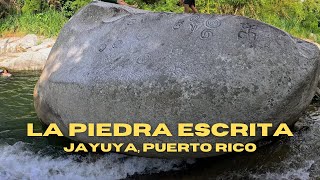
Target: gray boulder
[114,63]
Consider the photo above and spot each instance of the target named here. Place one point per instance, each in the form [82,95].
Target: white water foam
[302,173]
[16,162]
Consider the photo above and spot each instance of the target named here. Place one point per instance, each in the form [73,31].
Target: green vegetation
[30,16]
[31,6]
[297,17]
[46,23]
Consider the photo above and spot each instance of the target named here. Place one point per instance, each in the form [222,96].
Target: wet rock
[117,64]
[300,125]
[314,170]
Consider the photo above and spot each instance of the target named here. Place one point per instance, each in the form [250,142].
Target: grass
[46,24]
[299,18]
[295,27]
[297,22]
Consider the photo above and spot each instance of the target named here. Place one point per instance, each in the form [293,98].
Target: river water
[23,157]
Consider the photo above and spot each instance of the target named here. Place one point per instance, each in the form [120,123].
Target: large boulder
[114,63]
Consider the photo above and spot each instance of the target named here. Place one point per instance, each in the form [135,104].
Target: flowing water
[23,157]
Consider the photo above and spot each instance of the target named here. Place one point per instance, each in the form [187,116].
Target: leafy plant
[47,23]
[31,6]
[71,7]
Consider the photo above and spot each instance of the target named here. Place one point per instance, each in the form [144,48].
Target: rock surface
[27,53]
[117,64]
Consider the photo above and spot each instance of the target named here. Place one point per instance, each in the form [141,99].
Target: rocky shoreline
[25,53]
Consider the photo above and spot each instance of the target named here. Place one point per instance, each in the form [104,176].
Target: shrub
[47,23]
[71,7]
[31,6]
[9,7]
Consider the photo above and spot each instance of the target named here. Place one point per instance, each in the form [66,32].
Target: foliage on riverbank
[46,23]
[300,18]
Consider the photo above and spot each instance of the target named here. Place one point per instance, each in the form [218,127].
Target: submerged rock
[118,64]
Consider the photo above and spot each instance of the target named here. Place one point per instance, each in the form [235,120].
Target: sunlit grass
[46,24]
[299,18]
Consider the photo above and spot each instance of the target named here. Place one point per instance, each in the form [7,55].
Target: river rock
[30,60]
[8,45]
[28,41]
[26,53]
[47,43]
[114,63]
[14,44]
